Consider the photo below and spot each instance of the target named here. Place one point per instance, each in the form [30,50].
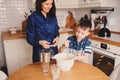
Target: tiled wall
[114,18]
[11,15]
[77,13]
[12,12]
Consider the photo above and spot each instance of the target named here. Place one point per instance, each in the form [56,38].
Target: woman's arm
[30,32]
[32,37]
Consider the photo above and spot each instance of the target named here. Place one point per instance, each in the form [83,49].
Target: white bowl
[64,60]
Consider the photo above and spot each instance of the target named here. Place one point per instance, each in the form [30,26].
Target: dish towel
[3,76]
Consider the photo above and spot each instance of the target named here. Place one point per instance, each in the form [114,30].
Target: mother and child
[42,32]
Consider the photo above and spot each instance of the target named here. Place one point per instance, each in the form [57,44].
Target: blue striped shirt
[83,45]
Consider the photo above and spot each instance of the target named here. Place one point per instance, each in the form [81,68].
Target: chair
[3,76]
[115,75]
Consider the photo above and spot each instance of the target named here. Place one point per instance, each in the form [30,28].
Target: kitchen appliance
[99,22]
[104,56]
[104,32]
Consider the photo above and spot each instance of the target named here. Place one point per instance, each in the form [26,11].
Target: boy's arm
[86,52]
[64,46]
[81,57]
[87,49]
[84,57]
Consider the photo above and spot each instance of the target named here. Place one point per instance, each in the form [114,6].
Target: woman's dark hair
[38,7]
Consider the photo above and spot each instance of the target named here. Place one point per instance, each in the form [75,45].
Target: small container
[55,72]
[45,60]
[13,30]
[45,56]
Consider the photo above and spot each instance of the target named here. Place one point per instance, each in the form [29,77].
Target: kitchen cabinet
[97,3]
[57,3]
[67,3]
[24,52]
[18,53]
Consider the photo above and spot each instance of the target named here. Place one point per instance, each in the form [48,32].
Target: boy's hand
[66,44]
[77,56]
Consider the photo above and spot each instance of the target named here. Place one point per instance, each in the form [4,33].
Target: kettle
[104,32]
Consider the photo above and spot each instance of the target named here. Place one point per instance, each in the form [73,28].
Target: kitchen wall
[114,18]
[77,13]
[12,12]
[11,15]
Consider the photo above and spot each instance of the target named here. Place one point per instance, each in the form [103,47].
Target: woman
[42,28]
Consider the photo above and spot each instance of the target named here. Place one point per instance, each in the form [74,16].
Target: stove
[106,56]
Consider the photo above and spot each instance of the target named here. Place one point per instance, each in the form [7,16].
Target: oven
[104,57]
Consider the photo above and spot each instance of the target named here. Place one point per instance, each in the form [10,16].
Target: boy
[79,42]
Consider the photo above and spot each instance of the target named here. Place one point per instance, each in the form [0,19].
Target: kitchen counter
[113,40]
[8,36]
[20,34]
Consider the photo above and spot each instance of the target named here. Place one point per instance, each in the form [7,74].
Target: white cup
[45,68]
[55,72]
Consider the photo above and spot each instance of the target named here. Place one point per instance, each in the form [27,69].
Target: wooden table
[80,71]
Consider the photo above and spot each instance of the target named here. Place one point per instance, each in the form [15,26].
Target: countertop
[113,40]
[6,35]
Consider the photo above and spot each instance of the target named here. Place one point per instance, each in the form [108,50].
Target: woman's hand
[45,44]
[55,42]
